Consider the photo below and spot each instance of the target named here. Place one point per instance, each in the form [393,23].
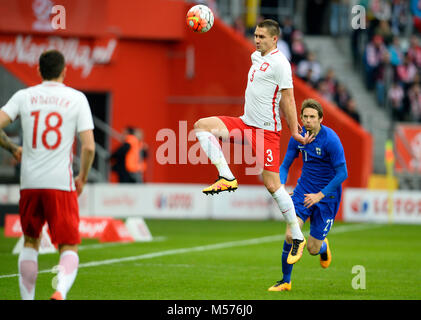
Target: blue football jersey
[320,158]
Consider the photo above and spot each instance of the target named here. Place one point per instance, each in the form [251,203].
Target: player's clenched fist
[17,154]
[79,184]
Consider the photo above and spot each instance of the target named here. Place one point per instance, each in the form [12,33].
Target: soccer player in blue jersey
[318,191]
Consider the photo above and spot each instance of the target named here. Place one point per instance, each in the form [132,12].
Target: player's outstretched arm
[86,159]
[5,141]
[289,109]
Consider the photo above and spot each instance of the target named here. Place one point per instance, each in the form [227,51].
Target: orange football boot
[281,286]
[222,184]
[296,251]
[56,296]
[326,258]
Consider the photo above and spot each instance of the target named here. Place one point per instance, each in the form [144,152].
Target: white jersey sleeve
[84,121]
[284,76]
[12,107]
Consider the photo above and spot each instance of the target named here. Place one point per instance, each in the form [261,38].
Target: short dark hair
[272,26]
[313,104]
[51,64]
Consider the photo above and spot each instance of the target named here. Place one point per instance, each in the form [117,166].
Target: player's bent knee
[271,185]
[271,181]
[199,125]
[313,250]
[205,124]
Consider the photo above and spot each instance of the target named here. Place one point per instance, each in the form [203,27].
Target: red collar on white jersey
[52,83]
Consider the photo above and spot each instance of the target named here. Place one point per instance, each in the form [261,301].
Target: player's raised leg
[208,130]
[285,204]
[28,268]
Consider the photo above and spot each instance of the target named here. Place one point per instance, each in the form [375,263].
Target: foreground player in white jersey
[269,85]
[51,114]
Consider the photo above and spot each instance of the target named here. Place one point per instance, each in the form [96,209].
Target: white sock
[28,271]
[68,266]
[284,201]
[214,152]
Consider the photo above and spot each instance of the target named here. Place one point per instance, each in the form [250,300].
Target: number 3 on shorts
[269,157]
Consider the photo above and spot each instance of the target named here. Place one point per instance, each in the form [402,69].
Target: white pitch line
[223,245]
[115,244]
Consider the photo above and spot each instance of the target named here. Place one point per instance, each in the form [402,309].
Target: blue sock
[286,268]
[323,248]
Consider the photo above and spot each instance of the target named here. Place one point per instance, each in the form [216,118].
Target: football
[200,18]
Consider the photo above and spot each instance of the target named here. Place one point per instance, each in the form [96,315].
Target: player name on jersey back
[43,100]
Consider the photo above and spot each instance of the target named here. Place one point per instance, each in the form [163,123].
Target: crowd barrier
[167,201]
[382,206]
[249,202]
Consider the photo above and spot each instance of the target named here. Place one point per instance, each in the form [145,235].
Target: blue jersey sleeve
[338,162]
[291,154]
[340,176]
[335,150]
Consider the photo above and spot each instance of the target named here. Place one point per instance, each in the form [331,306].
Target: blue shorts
[321,216]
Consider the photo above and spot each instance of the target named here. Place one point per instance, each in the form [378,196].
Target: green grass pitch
[233,260]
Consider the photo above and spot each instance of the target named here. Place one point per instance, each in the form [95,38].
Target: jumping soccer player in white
[51,115]
[269,85]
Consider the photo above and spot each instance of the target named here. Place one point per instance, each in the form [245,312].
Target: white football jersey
[268,75]
[51,114]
